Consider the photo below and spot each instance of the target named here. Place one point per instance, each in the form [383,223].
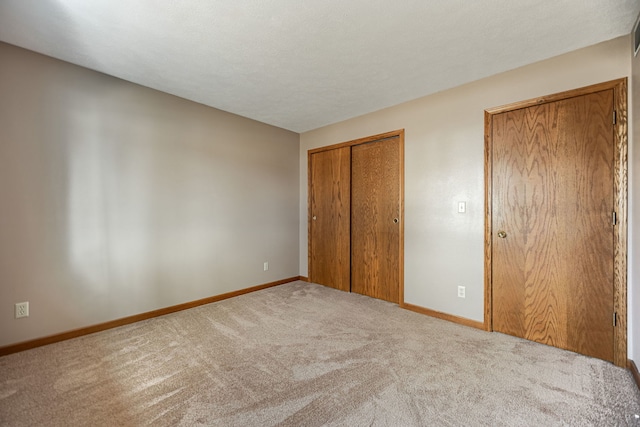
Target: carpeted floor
[306,355]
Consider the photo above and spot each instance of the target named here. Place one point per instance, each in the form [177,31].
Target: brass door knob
[502,234]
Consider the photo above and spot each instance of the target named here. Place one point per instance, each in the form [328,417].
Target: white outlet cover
[22,309]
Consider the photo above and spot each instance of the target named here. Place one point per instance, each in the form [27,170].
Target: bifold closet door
[329,238]
[375,219]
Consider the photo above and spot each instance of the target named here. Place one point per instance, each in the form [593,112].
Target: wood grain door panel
[375,216]
[330,197]
[553,196]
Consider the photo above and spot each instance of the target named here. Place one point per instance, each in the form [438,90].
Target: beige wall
[116,199]
[444,164]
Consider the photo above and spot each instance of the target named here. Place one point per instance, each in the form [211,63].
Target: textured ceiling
[300,65]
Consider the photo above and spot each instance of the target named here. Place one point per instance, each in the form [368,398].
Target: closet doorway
[356,210]
[556,170]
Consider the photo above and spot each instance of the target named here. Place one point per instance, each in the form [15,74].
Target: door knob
[314,218]
[395,220]
[502,234]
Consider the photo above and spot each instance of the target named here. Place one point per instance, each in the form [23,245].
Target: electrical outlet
[22,309]
[266,265]
[461,291]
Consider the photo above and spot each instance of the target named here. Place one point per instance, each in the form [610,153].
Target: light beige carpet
[306,355]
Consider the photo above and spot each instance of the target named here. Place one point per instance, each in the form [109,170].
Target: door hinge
[615,319]
[614,117]
[615,218]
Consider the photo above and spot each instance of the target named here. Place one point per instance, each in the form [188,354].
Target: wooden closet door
[330,207]
[553,230]
[375,219]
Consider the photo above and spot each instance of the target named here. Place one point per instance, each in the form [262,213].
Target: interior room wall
[116,199]
[444,164]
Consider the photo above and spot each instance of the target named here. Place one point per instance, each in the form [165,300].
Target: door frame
[396,133]
[620,183]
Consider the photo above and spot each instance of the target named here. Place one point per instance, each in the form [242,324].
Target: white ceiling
[299,64]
